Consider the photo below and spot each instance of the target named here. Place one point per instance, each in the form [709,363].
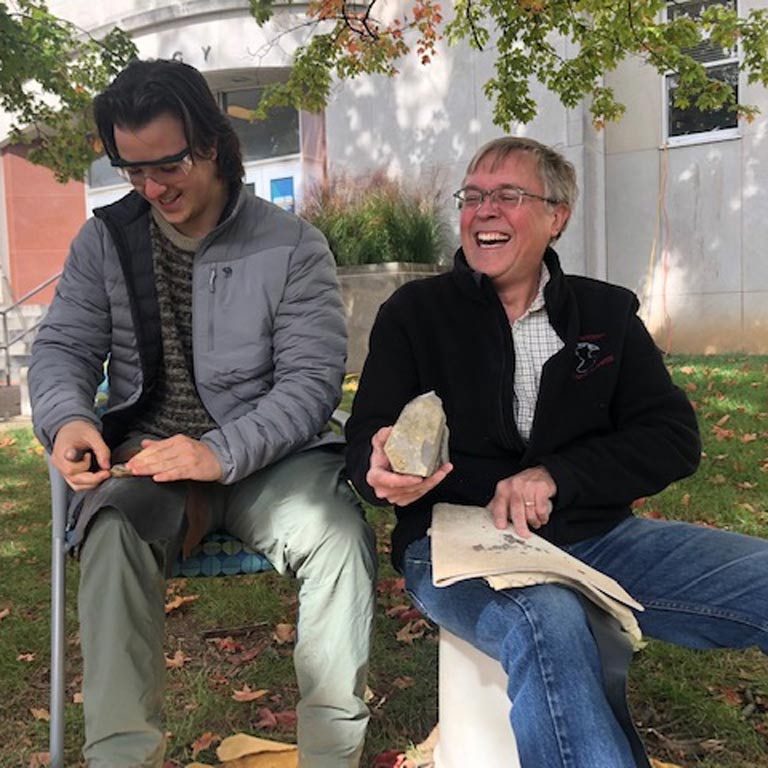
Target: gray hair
[557,174]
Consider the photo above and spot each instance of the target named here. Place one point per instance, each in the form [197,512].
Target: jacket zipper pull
[212,280]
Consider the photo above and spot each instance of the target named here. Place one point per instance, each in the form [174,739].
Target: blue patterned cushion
[220,554]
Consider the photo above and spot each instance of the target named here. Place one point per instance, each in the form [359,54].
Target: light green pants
[306,520]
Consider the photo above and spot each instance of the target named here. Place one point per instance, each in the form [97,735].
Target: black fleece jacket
[610,426]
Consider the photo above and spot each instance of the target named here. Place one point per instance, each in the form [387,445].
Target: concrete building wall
[686,224]
[683,226]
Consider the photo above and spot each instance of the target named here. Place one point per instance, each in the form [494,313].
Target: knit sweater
[176,407]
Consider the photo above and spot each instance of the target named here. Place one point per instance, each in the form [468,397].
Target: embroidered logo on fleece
[589,355]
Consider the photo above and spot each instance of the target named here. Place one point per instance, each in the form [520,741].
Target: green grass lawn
[692,708]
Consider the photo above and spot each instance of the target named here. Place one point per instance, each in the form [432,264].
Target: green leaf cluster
[566,45]
[49,72]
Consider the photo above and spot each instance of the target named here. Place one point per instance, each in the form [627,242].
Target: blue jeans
[701,588]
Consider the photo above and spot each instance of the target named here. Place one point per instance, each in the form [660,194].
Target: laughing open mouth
[491,238]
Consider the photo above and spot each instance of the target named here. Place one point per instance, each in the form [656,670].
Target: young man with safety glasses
[222,323]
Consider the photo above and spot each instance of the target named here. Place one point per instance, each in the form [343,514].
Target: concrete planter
[365,288]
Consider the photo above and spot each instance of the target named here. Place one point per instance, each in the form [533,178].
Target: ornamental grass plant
[376,219]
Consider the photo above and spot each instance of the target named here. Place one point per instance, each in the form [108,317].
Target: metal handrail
[8,343]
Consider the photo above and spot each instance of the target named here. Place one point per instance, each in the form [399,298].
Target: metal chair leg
[59,495]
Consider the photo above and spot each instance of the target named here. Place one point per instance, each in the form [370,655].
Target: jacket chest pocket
[239,313]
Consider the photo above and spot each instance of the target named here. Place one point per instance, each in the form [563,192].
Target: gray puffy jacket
[269,340]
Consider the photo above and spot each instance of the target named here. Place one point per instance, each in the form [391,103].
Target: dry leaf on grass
[5,612]
[659,764]
[178,601]
[201,743]
[39,759]
[413,630]
[78,698]
[246,694]
[241,745]
[227,644]
[404,613]
[177,661]
[284,633]
[41,714]
[268,719]
[26,657]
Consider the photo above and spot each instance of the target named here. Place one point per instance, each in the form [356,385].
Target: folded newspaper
[467,545]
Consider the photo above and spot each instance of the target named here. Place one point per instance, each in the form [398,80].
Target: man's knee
[108,534]
[338,523]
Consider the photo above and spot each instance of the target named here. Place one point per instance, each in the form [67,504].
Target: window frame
[700,137]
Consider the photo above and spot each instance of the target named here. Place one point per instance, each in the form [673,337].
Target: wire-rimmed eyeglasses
[164,170]
[507,196]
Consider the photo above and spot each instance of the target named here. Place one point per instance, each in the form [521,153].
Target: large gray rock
[418,444]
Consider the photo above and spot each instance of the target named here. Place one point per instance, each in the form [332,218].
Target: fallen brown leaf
[178,601]
[39,759]
[247,694]
[243,658]
[177,661]
[284,633]
[287,718]
[722,434]
[5,612]
[413,630]
[206,741]
[403,682]
[391,586]
[266,719]
[77,698]
[26,657]
[748,437]
[227,644]
[40,714]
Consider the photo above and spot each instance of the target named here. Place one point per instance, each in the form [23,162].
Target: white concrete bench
[473,709]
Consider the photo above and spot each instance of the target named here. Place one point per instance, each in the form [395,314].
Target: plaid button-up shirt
[535,341]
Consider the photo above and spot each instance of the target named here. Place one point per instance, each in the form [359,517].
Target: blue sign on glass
[281,193]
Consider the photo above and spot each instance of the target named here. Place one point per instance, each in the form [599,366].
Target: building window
[721,64]
[102,174]
[276,136]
